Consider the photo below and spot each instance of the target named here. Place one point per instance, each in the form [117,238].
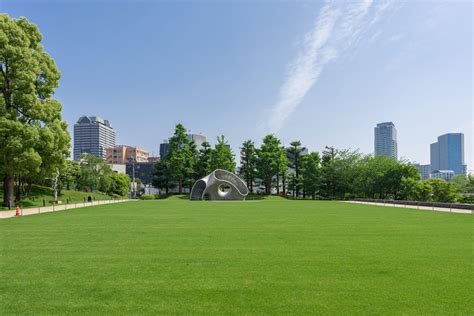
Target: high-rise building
[385,140]
[164,149]
[93,135]
[448,153]
[122,154]
[424,171]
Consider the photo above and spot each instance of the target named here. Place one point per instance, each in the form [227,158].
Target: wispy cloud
[339,26]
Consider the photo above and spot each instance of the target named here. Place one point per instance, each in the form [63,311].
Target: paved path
[428,208]
[57,208]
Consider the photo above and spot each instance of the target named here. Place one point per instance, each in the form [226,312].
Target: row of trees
[183,163]
[333,174]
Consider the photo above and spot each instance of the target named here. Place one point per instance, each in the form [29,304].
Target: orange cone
[17,213]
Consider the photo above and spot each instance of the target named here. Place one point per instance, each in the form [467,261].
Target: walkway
[428,208]
[57,208]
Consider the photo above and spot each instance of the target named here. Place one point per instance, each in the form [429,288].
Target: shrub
[147,197]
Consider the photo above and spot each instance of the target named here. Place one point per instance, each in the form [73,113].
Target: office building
[164,147]
[142,170]
[122,154]
[385,140]
[446,175]
[93,135]
[424,171]
[448,153]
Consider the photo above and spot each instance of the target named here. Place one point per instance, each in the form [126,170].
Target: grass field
[272,256]
[43,193]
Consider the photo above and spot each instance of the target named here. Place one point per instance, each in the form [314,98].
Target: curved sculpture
[219,185]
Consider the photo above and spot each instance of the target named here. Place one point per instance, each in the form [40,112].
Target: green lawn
[258,257]
[39,193]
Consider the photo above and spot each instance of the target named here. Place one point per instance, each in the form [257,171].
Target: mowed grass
[41,193]
[258,257]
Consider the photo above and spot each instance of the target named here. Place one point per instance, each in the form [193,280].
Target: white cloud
[338,27]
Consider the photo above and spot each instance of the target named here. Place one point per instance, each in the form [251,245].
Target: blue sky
[324,73]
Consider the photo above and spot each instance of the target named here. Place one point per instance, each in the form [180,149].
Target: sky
[321,72]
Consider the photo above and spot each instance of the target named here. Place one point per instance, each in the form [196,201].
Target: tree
[443,191]
[162,178]
[415,190]
[248,159]
[193,158]
[119,184]
[381,177]
[311,171]
[203,165]
[180,157]
[69,175]
[93,174]
[268,158]
[222,156]
[328,173]
[461,182]
[29,117]
[282,169]
[294,153]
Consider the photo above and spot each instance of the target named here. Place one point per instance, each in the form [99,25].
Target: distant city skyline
[233,69]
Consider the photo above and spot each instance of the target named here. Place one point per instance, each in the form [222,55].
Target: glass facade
[385,140]
[448,153]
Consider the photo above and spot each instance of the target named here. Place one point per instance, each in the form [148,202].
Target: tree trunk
[278,184]
[8,188]
[180,186]
[283,180]
[18,190]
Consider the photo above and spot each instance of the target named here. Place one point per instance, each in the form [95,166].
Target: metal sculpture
[219,185]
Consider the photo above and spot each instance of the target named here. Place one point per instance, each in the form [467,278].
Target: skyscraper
[93,135]
[448,153]
[385,140]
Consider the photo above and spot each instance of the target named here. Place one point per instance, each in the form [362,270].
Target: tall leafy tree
[415,190]
[193,157]
[443,191]
[203,165]
[282,168]
[94,174]
[311,172]
[119,184]
[161,177]
[328,173]
[69,175]
[294,158]
[222,156]
[268,159]
[180,157]
[248,163]
[29,117]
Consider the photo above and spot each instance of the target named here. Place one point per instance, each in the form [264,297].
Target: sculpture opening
[219,185]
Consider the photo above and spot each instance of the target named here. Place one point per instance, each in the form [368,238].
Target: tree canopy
[33,137]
